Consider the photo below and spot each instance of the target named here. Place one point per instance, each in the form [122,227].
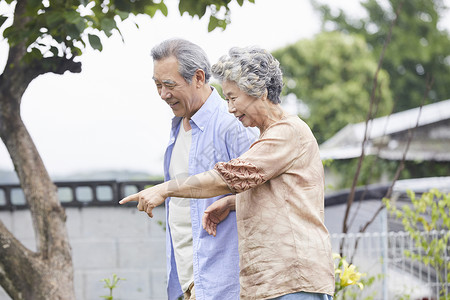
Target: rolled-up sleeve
[268,157]
[239,175]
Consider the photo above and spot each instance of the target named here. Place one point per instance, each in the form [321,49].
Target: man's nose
[165,93]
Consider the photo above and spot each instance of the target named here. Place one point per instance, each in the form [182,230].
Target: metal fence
[77,193]
[395,275]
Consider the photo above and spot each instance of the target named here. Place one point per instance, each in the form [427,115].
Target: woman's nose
[231,108]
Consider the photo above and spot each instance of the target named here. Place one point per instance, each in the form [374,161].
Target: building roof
[347,143]
[369,199]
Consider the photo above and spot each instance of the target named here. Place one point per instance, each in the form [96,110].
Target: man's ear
[199,78]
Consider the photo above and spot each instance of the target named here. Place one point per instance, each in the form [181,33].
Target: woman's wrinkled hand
[217,212]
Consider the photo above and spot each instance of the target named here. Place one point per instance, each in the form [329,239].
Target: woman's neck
[274,114]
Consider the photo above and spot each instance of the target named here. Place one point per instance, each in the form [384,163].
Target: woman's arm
[204,185]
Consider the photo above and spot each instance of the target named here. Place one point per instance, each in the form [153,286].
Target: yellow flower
[348,275]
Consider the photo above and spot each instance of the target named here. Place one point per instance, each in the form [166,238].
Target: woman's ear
[264,96]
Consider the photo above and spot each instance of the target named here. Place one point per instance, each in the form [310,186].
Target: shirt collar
[202,116]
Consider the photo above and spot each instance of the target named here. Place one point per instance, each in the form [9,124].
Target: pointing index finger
[134,197]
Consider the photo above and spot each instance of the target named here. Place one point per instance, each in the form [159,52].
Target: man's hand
[148,199]
[217,212]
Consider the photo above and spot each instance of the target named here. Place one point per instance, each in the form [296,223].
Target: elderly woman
[284,246]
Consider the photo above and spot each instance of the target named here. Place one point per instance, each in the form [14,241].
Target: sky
[110,116]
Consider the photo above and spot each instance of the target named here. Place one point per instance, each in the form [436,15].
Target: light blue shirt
[216,136]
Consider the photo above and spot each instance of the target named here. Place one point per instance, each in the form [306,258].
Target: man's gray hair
[254,70]
[189,55]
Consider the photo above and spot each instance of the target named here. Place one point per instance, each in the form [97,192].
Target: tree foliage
[63,28]
[418,47]
[332,74]
[48,36]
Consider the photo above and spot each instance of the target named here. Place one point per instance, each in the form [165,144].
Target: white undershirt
[179,211]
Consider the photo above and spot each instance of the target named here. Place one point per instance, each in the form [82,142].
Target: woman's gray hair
[189,55]
[254,70]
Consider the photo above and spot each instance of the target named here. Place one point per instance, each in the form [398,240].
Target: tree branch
[368,118]
[401,166]
[15,258]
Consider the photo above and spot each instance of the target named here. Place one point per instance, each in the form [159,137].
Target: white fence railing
[396,276]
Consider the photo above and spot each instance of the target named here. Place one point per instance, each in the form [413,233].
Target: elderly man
[203,133]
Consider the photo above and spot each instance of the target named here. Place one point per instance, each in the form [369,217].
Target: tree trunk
[48,272]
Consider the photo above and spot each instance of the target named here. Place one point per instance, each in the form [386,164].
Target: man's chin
[177,113]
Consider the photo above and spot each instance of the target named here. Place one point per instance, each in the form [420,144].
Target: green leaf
[72,31]
[33,55]
[123,5]
[2,20]
[192,8]
[122,14]
[12,35]
[107,25]
[152,9]
[54,50]
[215,22]
[95,42]
[54,18]
[163,8]
[81,25]
[72,16]
[77,51]
[33,6]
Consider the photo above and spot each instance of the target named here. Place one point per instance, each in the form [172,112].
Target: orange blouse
[284,246]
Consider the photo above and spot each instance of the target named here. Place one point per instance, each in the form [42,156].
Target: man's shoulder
[224,119]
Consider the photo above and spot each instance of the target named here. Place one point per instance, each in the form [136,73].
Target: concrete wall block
[158,284]
[114,222]
[4,295]
[7,218]
[94,253]
[30,243]
[24,232]
[157,224]
[135,286]
[120,240]
[22,225]
[74,222]
[78,282]
[139,253]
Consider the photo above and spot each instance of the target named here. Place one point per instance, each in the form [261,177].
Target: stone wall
[107,241]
